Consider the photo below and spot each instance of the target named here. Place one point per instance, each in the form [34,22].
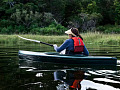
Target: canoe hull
[57,58]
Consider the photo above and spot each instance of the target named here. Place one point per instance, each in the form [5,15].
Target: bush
[51,29]
[54,29]
[7,30]
[109,29]
[5,23]
[10,29]
[113,30]
[20,29]
[101,28]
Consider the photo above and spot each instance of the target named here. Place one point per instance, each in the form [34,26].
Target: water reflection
[76,80]
[51,66]
[72,77]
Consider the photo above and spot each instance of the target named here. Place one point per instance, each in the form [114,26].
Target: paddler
[73,45]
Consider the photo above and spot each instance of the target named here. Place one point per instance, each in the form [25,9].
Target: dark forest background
[56,16]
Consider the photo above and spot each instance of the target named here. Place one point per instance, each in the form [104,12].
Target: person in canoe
[73,45]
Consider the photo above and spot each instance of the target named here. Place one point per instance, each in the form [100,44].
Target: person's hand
[55,47]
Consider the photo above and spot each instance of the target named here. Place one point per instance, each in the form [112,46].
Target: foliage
[101,28]
[51,29]
[92,7]
[75,21]
[4,23]
[89,21]
[19,29]
[113,30]
[24,16]
[117,11]
[109,29]
[7,30]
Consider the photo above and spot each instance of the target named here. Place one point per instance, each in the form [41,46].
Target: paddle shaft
[47,44]
[35,41]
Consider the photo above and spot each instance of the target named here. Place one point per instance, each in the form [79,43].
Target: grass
[99,38]
[94,38]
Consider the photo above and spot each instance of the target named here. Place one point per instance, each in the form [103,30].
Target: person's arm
[86,52]
[63,46]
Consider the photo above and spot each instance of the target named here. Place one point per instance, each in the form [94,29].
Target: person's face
[70,36]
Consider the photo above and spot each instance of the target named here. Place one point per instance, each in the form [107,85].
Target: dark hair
[76,32]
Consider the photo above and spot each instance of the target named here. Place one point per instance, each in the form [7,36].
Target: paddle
[62,52]
[35,41]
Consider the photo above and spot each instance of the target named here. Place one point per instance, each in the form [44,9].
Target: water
[18,74]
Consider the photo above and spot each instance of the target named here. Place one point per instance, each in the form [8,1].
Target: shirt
[69,45]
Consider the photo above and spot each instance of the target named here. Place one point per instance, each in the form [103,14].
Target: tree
[26,18]
[89,21]
[57,8]
[92,7]
[10,2]
[105,8]
[72,9]
[117,12]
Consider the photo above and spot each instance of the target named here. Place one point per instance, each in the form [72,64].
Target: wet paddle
[35,41]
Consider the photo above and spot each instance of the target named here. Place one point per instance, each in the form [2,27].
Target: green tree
[26,18]
[117,12]
[105,8]
[10,2]
[89,21]
[75,21]
[72,9]
[92,7]
[57,8]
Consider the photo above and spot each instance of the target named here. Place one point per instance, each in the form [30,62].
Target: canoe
[66,59]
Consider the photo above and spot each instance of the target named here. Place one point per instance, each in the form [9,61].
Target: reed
[99,38]
[94,38]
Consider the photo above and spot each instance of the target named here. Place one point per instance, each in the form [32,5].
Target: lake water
[18,74]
